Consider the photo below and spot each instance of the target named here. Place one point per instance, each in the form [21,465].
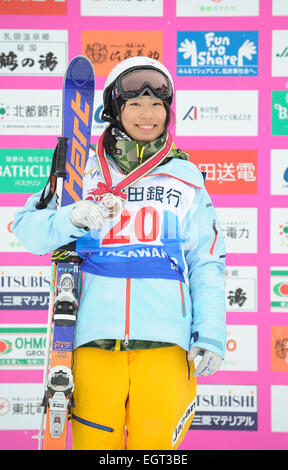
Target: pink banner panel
[229,63]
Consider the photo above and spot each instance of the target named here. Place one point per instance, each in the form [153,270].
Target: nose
[146,112]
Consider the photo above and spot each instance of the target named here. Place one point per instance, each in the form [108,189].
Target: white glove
[209,364]
[95,214]
[88,214]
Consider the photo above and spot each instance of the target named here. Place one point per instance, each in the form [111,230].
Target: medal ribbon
[135,175]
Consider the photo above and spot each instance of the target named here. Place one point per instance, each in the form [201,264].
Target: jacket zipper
[215,237]
[182,299]
[127,311]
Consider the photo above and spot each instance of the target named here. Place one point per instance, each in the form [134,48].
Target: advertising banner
[228,60]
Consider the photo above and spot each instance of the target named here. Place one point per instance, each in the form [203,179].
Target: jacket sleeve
[42,231]
[205,257]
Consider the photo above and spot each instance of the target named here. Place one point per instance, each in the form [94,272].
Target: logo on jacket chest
[167,195]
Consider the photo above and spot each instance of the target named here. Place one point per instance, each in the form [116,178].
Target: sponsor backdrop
[229,60]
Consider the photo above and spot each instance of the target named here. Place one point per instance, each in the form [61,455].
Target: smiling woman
[152,271]
[144,118]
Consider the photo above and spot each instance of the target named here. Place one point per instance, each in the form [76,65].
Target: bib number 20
[144,226]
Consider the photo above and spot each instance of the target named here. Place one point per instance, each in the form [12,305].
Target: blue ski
[66,181]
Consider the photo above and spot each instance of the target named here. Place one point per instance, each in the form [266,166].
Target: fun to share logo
[217,53]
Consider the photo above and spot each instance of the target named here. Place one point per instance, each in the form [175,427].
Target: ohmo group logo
[5,347]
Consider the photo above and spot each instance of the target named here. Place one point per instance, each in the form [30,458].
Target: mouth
[140,126]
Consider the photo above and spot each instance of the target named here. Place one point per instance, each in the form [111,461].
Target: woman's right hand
[88,214]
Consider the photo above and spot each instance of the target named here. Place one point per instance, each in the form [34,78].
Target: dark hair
[110,141]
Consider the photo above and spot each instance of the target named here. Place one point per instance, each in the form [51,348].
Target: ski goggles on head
[136,82]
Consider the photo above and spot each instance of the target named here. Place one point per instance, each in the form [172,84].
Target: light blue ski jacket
[156,273]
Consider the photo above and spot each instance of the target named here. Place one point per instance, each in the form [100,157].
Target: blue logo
[97,115]
[285,178]
[217,53]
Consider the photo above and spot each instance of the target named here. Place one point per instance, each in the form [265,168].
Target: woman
[153,296]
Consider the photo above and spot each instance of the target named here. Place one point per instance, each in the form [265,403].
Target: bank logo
[30,113]
[5,406]
[20,406]
[217,53]
[3,111]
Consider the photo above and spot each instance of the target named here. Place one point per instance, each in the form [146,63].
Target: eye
[133,103]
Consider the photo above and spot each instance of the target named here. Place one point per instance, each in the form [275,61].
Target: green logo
[5,346]
[24,170]
[281,289]
[279,113]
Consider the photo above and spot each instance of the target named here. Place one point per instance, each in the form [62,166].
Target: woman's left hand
[209,364]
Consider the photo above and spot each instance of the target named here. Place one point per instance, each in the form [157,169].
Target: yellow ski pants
[134,400]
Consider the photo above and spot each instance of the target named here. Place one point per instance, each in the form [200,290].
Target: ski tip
[80,71]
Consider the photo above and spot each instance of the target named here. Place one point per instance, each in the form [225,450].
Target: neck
[129,154]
